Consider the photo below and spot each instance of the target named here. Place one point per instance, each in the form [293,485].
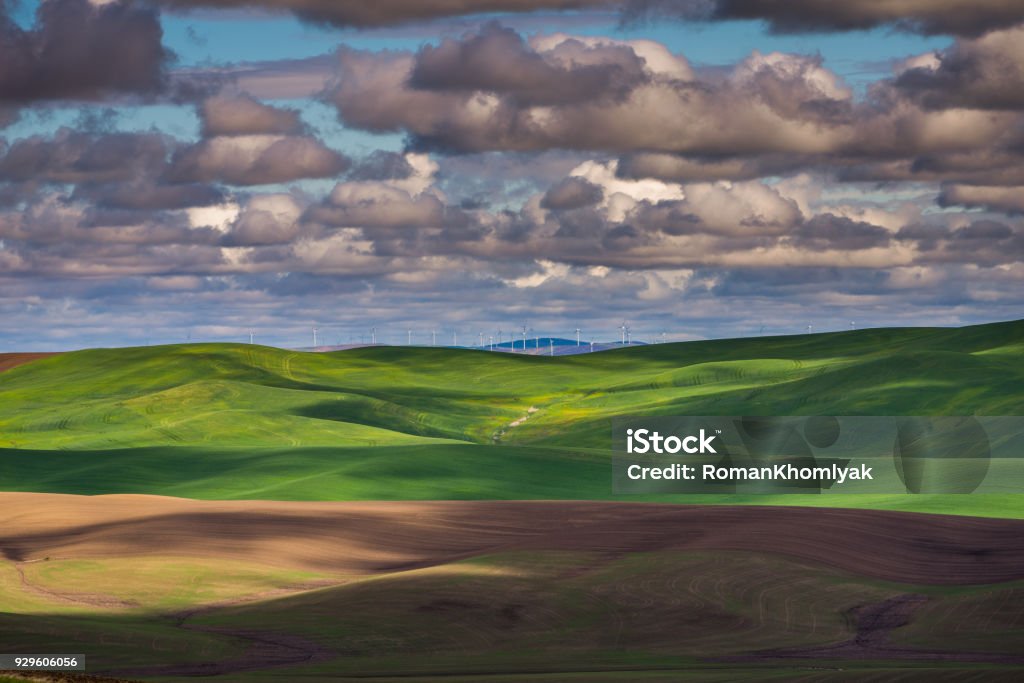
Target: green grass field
[238,421]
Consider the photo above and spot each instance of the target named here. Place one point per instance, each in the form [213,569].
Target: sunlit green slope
[238,395]
[236,421]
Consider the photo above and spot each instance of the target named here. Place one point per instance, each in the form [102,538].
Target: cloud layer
[957,17]
[553,176]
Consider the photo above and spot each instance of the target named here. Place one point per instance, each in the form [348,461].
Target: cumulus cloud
[256,160]
[70,156]
[831,232]
[379,205]
[983,73]
[572,193]
[266,219]
[110,170]
[770,114]
[498,59]
[647,240]
[81,50]
[243,115]
[770,103]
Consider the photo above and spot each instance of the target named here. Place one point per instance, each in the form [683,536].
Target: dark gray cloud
[983,73]
[955,17]
[828,231]
[1006,199]
[724,167]
[572,193]
[386,12]
[109,169]
[77,236]
[71,156]
[148,195]
[78,50]
[382,165]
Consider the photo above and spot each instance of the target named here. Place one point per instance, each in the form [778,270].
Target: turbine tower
[314,337]
[623,328]
[433,337]
[408,341]
[373,336]
[524,338]
[577,336]
[251,333]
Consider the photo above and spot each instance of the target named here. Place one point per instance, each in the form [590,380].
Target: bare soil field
[9,361]
[367,538]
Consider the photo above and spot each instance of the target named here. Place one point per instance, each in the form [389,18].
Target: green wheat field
[221,421]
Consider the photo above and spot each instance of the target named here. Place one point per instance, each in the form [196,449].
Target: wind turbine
[552,343]
[455,337]
[853,325]
[408,337]
[251,333]
[629,336]
[577,336]
[373,336]
[314,337]
[491,345]
[810,328]
[433,337]
[623,328]
[524,338]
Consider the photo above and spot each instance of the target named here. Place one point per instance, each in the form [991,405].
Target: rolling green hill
[219,420]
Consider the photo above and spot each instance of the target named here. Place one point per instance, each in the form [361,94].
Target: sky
[203,170]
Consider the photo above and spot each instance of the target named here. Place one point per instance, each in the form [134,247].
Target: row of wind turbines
[491,342]
[497,341]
